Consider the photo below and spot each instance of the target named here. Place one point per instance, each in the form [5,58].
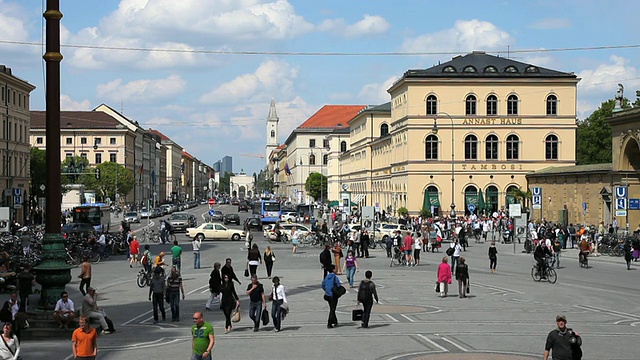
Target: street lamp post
[434,130]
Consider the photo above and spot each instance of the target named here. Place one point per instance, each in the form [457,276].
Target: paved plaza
[506,316]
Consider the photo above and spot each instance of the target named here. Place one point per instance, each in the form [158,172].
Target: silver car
[145,213]
[132,217]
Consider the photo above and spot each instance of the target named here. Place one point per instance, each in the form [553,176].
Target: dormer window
[511,69]
[470,69]
[532,69]
[490,69]
[449,69]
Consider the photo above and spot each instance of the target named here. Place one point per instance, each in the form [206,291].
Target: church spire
[272,111]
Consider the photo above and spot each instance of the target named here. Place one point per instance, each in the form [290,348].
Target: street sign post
[212,212]
[471,207]
[212,201]
[536,199]
[621,200]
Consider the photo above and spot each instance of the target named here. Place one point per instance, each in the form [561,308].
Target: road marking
[628,317]
[197,289]
[454,344]
[501,289]
[433,343]
[408,318]
[392,318]
[137,317]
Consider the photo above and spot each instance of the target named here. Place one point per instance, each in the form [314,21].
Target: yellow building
[464,133]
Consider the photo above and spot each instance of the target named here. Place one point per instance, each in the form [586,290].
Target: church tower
[272,130]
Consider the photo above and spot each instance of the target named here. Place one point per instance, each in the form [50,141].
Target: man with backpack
[366,294]
[325,259]
[562,342]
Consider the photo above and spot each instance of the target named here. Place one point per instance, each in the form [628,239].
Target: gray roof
[574,169]
[482,63]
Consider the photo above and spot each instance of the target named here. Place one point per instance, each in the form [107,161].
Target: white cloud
[551,23]
[605,78]
[141,91]
[272,78]
[68,104]
[376,93]
[369,25]
[464,36]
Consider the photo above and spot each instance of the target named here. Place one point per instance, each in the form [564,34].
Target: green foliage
[402,211]
[425,213]
[38,165]
[263,182]
[106,186]
[223,187]
[316,186]
[594,135]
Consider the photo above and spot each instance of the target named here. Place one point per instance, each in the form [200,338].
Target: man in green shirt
[203,339]
[176,252]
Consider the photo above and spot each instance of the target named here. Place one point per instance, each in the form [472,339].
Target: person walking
[562,342]
[215,285]
[257,301]
[196,243]
[337,256]
[174,288]
[330,282]
[269,258]
[493,256]
[444,276]
[365,240]
[457,251]
[203,338]
[366,294]
[85,276]
[176,255]
[227,270]
[26,282]
[462,275]
[351,266]
[294,239]
[229,300]
[254,259]
[156,295]
[134,251]
[279,297]
[84,341]
[417,247]
[557,248]
[627,253]
[325,260]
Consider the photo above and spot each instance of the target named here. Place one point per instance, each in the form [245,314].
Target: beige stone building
[467,131]
[14,144]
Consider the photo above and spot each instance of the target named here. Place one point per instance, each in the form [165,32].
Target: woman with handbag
[253,259]
[444,276]
[10,347]
[294,239]
[229,302]
[269,258]
[278,298]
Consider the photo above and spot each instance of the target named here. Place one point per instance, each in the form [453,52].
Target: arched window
[552,105]
[513,144]
[449,69]
[512,105]
[471,147]
[492,105]
[491,199]
[551,147]
[325,159]
[343,146]
[470,108]
[273,133]
[431,148]
[312,159]
[384,130]
[432,105]
[469,69]
[491,152]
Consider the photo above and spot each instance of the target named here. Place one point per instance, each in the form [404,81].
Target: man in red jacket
[408,249]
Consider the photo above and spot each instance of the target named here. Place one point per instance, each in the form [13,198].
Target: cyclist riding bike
[584,247]
[540,254]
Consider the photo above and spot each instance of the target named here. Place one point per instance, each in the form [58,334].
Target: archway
[491,200]
[431,200]
[510,199]
[470,199]
[630,156]
[242,191]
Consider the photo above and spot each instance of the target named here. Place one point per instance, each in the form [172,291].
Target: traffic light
[98,174]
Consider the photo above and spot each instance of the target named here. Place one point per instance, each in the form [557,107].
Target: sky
[203,72]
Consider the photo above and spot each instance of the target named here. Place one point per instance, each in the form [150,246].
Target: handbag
[437,287]
[235,317]
[338,291]
[468,287]
[265,317]
[246,272]
[357,314]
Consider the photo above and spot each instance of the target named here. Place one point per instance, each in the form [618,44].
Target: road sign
[536,191]
[584,206]
[17,200]
[17,192]
[634,204]
[621,212]
[212,201]
[295,191]
[42,187]
[536,200]
[471,207]
[621,204]
[212,212]
[621,192]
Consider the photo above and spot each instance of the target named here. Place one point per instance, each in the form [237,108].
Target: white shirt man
[102,240]
[64,311]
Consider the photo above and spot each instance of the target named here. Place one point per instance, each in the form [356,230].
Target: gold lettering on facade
[490,121]
[473,167]
[464,167]
[503,167]
[493,167]
[483,167]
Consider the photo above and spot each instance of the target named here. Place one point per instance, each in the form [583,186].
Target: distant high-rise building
[216,166]
[226,165]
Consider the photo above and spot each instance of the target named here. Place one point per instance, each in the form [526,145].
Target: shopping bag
[437,287]
[356,315]
[265,317]
[236,315]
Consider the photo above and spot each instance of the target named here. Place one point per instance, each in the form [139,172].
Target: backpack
[323,257]
[144,260]
[364,292]
[450,251]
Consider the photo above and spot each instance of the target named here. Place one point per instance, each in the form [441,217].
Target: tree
[106,186]
[38,164]
[425,213]
[223,187]
[521,196]
[263,182]
[316,185]
[402,211]
[594,135]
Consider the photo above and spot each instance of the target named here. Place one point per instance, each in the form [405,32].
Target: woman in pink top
[444,276]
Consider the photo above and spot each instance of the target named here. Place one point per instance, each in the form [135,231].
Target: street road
[507,315]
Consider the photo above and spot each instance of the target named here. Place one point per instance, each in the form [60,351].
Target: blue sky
[216,104]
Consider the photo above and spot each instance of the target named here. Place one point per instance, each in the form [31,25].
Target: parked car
[77,228]
[217,216]
[231,218]
[214,231]
[253,223]
[132,217]
[285,229]
[243,206]
[145,213]
[179,221]
[289,217]
[387,230]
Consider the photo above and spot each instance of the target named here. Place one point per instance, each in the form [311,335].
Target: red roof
[162,136]
[187,154]
[332,116]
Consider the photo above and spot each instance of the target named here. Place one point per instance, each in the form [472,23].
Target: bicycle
[144,278]
[398,257]
[584,260]
[549,273]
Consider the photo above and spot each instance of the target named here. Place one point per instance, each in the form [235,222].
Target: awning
[426,202]
[434,199]
[472,199]
[481,205]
